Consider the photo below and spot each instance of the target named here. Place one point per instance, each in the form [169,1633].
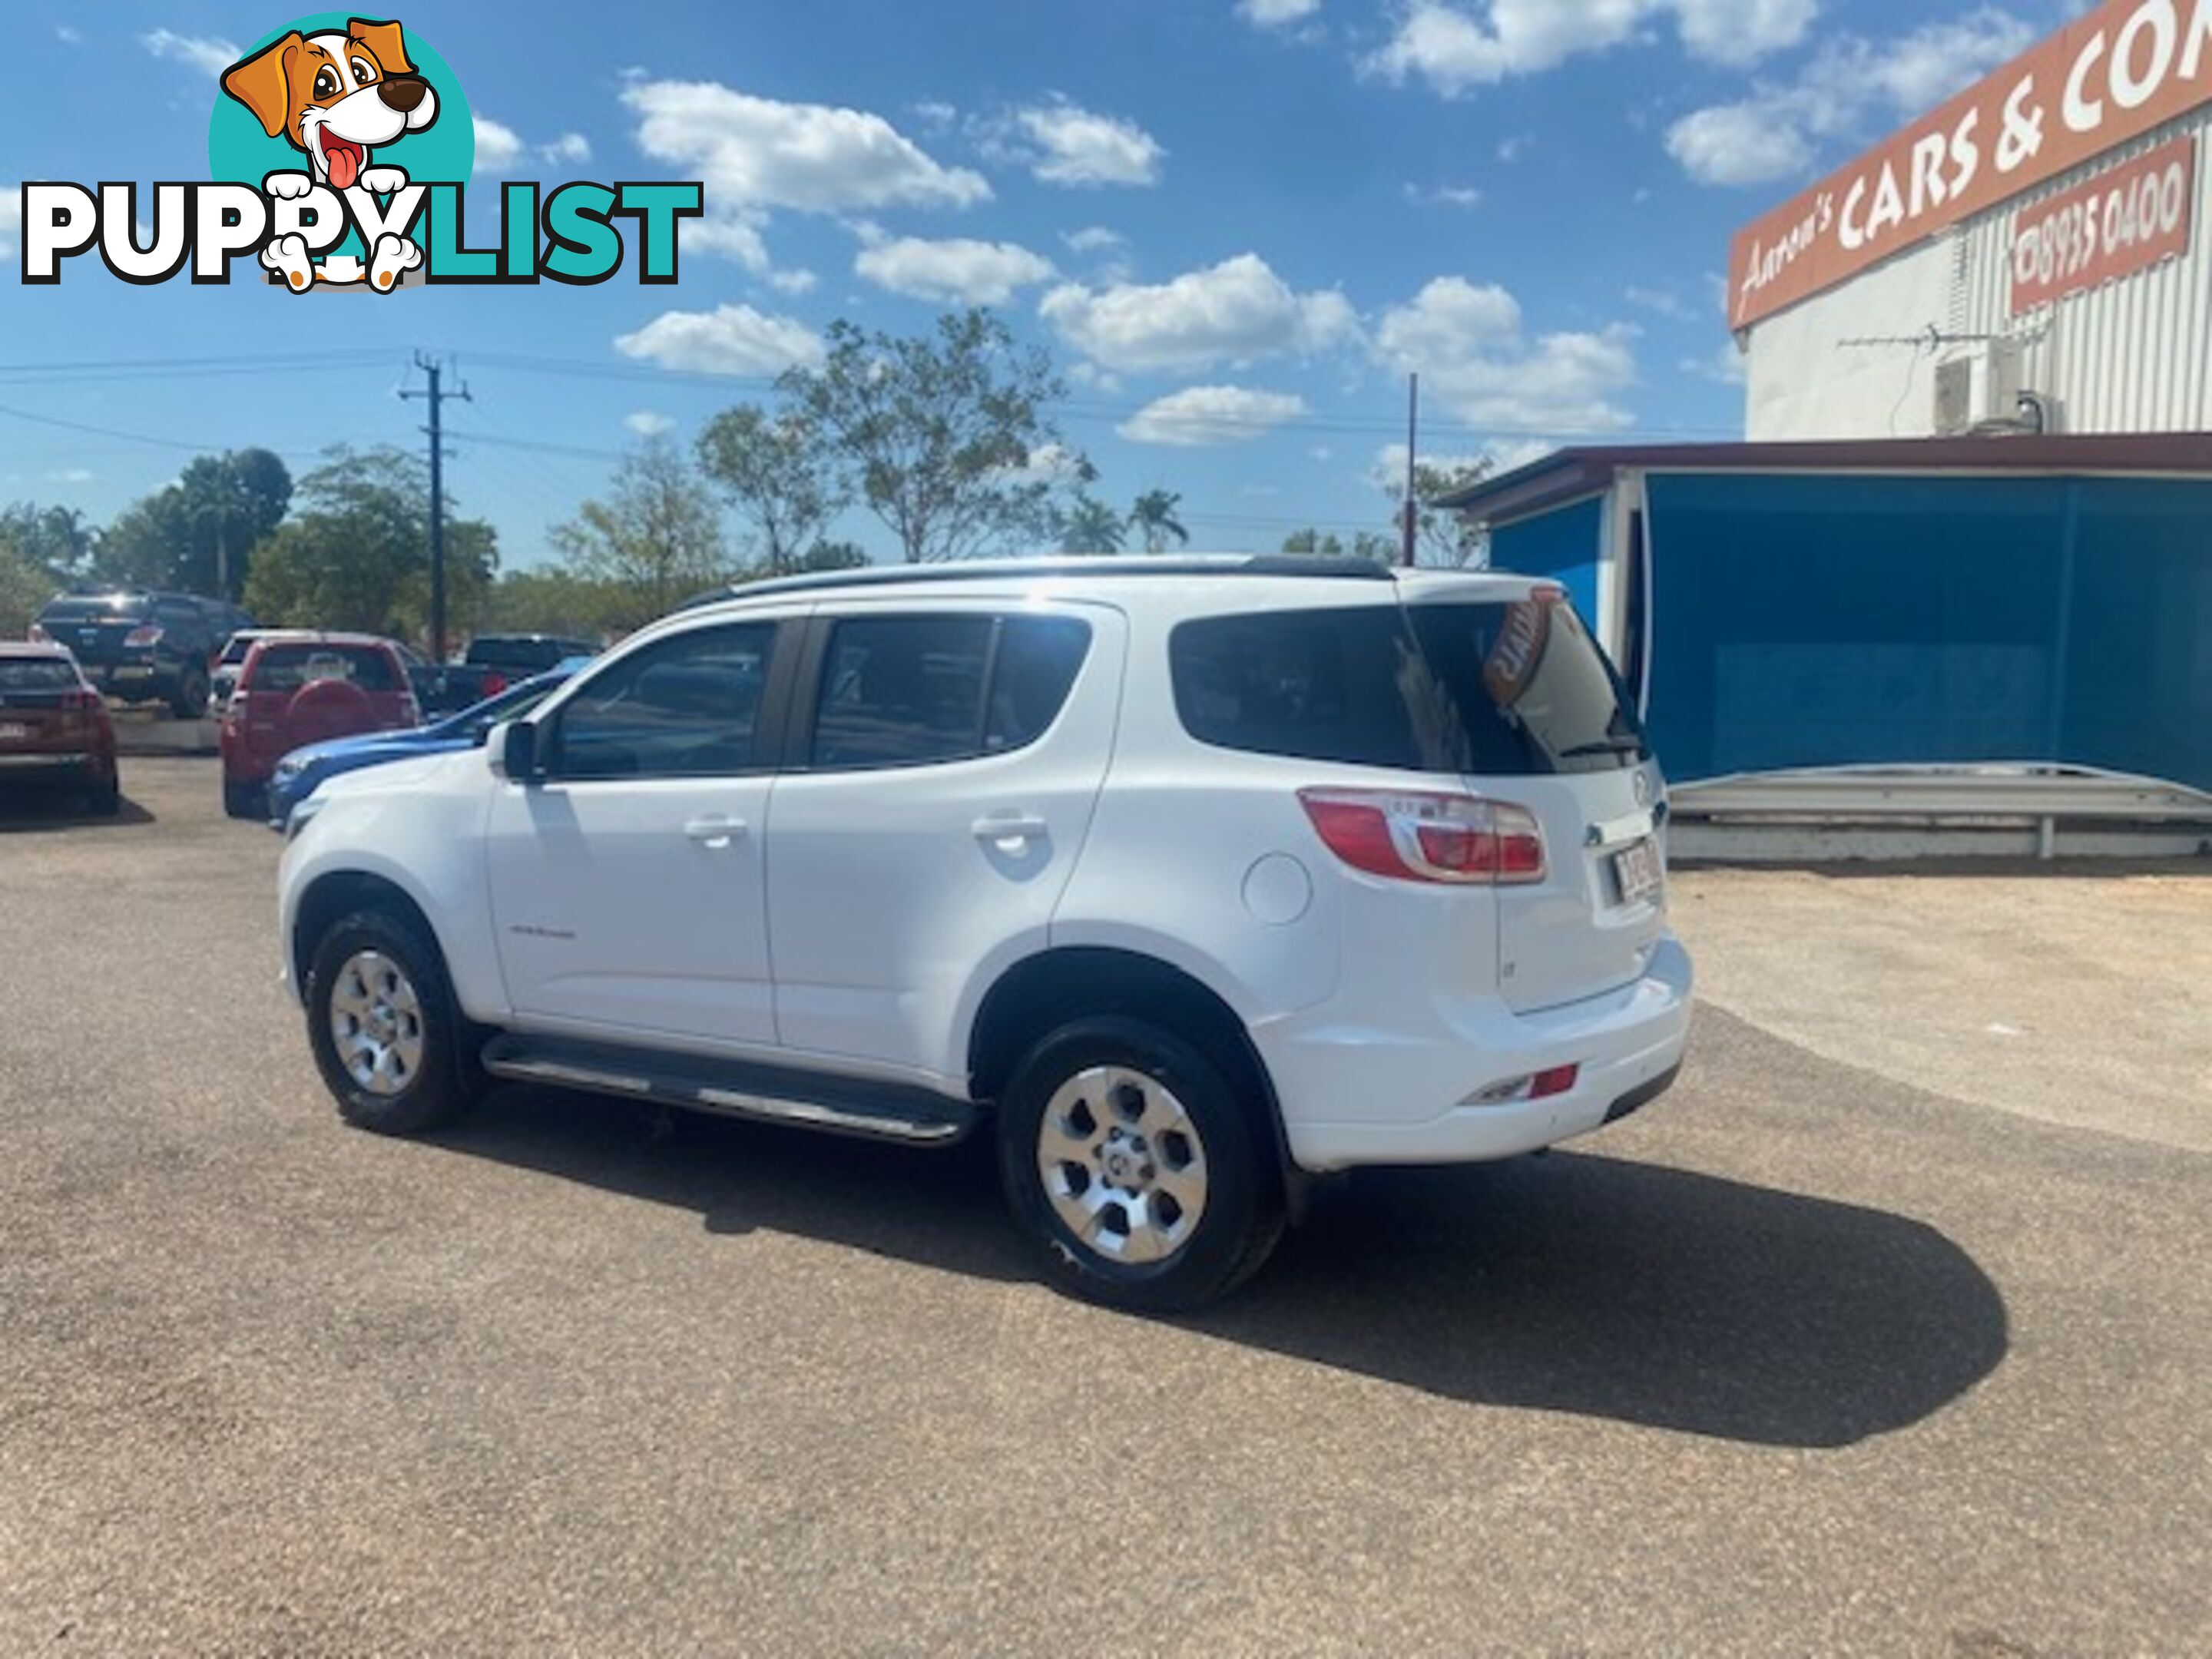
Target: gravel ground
[1837,1350]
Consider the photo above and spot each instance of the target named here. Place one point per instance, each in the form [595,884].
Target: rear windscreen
[37,674]
[94,609]
[514,654]
[289,667]
[1488,689]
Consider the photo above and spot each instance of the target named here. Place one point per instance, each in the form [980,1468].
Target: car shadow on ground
[45,813]
[1572,1283]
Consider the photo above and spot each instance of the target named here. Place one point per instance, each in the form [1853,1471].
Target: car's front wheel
[390,1041]
[189,701]
[243,801]
[1135,1163]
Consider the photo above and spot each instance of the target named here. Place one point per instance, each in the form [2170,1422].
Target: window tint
[289,667]
[912,690]
[1486,689]
[683,708]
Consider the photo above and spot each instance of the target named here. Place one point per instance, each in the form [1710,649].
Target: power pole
[438,398]
[1413,441]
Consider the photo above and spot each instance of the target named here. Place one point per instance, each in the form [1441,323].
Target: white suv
[1191,877]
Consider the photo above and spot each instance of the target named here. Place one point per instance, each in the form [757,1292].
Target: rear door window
[687,706]
[1485,689]
[923,691]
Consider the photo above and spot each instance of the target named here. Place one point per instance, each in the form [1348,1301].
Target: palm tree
[1090,526]
[1153,518]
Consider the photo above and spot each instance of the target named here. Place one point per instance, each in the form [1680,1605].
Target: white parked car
[1187,878]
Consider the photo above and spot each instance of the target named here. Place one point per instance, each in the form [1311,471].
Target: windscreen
[1482,690]
[289,667]
[37,674]
[99,607]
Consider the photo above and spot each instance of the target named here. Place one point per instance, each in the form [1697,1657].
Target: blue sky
[1236,223]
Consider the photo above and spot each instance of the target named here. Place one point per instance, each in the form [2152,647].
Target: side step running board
[911,1116]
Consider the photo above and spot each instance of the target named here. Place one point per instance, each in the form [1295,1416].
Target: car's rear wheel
[387,1036]
[103,797]
[1136,1165]
[244,801]
[190,700]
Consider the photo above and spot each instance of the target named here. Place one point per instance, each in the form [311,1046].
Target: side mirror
[511,749]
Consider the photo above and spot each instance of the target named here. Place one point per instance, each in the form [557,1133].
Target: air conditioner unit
[1980,386]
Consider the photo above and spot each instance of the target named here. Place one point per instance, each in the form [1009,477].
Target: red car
[54,726]
[298,687]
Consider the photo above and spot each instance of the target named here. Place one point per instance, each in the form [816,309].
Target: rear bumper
[38,764]
[1352,1094]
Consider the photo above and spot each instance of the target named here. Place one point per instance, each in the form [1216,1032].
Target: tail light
[81,708]
[493,683]
[143,639]
[38,635]
[1444,840]
[1537,1085]
[410,712]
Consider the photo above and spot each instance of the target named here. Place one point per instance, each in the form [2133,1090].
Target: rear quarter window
[1499,690]
[37,674]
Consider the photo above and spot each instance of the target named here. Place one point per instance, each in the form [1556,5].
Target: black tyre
[245,800]
[104,798]
[190,700]
[388,1037]
[1146,1181]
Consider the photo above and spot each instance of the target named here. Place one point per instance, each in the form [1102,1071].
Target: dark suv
[495,661]
[141,648]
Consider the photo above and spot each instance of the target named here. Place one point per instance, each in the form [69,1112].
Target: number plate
[1638,870]
[11,733]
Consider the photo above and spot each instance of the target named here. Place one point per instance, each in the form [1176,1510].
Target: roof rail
[1232,564]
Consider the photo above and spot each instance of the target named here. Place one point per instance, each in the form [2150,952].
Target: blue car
[301,772]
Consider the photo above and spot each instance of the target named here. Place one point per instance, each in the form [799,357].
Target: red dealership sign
[2118,223]
[2112,75]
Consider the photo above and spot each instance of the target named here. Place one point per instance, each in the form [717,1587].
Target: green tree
[26,585]
[1441,537]
[936,432]
[357,552]
[1090,526]
[1154,518]
[777,474]
[654,541]
[1311,543]
[834,556]
[197,534]
[56,539]
[551,600]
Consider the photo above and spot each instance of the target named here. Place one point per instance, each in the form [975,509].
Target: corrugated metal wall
[2134,356]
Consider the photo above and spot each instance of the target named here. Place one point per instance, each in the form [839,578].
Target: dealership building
[1961,572]
[2031,256]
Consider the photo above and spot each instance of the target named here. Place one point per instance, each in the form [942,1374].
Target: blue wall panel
[1566,546]
[1827,621]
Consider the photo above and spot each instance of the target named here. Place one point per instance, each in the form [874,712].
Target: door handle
[715,832]
[1011,827]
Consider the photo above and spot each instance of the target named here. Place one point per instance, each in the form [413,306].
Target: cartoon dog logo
[337,97]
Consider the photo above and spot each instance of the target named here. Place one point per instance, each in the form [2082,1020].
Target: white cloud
[498,147]
[1664,302]
[730,339]
[11,218]
[1237,312]
[646,423]
[1725,363]
[1452,195]
[1276,14]
[70,475]
[1050,463]
[935,114]
[793,281]
[758,152]
[1851,86]
[958,271]
[1211,415]
[1467,341]
[736,236]
[1456,45]
[209,54]
[1076,146]
[68,36]
[1093,238]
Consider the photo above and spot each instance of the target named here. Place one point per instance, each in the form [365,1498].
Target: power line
[198,448]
